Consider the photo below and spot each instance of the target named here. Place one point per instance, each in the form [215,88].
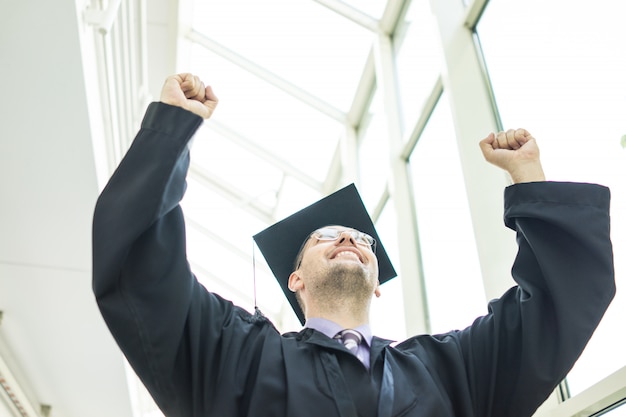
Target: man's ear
[295,282]
[377,290]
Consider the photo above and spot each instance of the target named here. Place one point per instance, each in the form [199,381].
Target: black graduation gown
[199,355]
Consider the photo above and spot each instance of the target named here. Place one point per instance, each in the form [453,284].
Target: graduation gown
[200,355]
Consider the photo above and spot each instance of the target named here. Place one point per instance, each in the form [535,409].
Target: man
[199,355]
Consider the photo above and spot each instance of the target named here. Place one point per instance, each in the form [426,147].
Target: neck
[346,314]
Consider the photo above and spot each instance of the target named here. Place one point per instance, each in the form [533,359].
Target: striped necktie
[351,339]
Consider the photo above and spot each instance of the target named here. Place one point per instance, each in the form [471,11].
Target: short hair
[296,266]
[301,302]
[300,255]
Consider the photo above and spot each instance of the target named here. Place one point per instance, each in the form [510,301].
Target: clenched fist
[516,152]
[188,91]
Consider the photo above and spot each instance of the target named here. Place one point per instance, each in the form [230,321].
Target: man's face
[341,258]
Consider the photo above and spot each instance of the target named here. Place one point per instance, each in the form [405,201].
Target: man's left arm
[535,332]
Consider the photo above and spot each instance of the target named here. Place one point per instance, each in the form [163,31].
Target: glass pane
[558,69]
[296,196]
[454,289]
[236,166]
[387,312]
[219,248]
[418,60]
[301,136]
[300,41]
[374,156]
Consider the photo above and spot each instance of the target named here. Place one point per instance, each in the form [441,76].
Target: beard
[345,282]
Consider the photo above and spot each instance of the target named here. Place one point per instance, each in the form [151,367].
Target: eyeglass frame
[357,235]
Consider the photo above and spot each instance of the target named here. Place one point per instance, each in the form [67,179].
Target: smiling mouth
[347,255]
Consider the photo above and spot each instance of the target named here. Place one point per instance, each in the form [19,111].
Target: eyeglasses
[330,234]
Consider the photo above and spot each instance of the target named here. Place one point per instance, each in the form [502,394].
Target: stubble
[344,283]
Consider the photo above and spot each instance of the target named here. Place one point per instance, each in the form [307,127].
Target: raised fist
[516,152]
[188,91]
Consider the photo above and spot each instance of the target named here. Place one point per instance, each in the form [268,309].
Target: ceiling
[73,95]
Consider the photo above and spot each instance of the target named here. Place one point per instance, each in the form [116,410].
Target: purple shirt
[330,329]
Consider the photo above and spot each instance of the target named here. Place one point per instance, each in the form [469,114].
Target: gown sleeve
[517,354]
[170,328]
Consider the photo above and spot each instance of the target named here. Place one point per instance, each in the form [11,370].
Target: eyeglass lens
[333,234]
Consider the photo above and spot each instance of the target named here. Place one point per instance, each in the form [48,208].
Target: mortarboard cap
[281,242]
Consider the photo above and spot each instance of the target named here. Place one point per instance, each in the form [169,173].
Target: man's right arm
[150,180]
[141,277]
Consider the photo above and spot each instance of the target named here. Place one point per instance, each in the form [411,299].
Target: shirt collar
[330,328]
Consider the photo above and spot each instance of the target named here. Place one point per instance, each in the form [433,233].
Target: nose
[345,237]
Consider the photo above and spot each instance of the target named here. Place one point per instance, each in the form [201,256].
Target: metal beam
[474,12]
[474,117]
[391,16]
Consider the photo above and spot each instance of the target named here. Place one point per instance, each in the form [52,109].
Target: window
[557,68]
[451,271]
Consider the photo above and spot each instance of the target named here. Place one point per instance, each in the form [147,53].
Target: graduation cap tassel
[258,315]
[256,307]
